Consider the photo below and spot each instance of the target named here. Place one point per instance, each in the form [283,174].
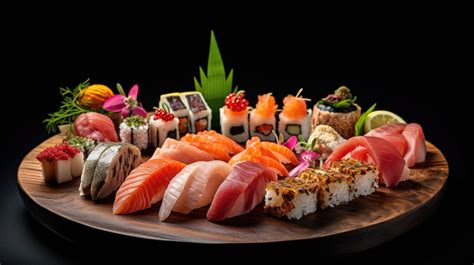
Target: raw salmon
[294,107]
[216,150]
[266,105]
[145,185]
[258,154]
[181,151]
[241,191]
[231,144]
[193,187]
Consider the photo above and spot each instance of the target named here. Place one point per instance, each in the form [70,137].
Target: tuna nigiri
[181,151]
[95,126]
[241,191]
[193,187]
[216,150]
[145,185]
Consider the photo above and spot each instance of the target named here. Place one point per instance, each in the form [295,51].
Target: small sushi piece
[281,152]
[193,187]
[106,168]
[216,150]
[134,130]
[163,125]
[61,163]
[223,142]
[262,118]
[234,117]
[365,175]
[96,126]
[326,140]
[145,185]
[295,118]
[178,109]
[241,191]
[86,145]
[181,151]
[200,115]
[339,111]
[291,197]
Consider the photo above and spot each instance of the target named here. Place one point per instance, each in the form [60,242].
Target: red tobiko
[164,115]
[236,101]
[58,152]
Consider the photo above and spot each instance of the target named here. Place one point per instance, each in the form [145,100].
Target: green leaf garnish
[135,121]
[120,90]
[359,127]
[344,103]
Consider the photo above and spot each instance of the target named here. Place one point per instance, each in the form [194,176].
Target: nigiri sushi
[241,191]
[216,150]
[295,118]
[95,126]
[145,185]
[234,117]
[281,152]
[181,151]
[230,144]
[193,187]
[262,118]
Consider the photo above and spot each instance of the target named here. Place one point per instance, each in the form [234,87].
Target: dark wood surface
[363,223]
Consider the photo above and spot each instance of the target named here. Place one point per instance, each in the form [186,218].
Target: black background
[408,61]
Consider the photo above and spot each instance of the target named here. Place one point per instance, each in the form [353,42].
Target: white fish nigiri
[194,187]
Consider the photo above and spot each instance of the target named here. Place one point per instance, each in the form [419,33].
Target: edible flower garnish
[307,159]
[127,105]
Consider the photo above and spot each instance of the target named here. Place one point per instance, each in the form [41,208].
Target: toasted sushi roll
[134,130]
[178,109]
[334,188]
[291,197]
[262,118]
[107,167]
[234,125]
[162,126]
[342,117]
[365,175]
[200,114]
[61,163]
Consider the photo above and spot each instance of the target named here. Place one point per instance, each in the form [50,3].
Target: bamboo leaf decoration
[214,85]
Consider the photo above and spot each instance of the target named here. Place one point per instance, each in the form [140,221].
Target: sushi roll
[291,197]
[163,125]
[365,175]
[134,130]
[234,117]
[179,110]
[262,118]
[200,114]
[339,111]
[295,119]
[61,163]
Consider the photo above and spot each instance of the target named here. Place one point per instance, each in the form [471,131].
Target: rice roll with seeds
[295,118]
[134,130]
[262,118]
[178,109]
[200,114]
[163,125]
[234,117]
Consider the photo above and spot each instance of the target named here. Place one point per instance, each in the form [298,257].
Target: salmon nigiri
[281,152]
[181,151]
[216,150]
[145,185]
[231,144]
[204,138]
[194,187]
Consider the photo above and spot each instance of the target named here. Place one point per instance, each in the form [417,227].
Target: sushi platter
[214,166]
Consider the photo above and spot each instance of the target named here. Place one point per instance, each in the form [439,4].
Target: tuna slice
[387,158]
[388,129]
[194,187]
[241,191]
[95,126]
[145,185]
[415,138]
[181,151]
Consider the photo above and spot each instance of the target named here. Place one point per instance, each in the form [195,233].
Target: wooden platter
[363,223]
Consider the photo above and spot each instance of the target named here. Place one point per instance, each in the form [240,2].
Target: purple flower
[307,159]
[125,105]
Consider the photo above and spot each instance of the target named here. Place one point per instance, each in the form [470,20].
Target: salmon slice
[283,153]
[193,187]
[181,151]
[231,144]
[216,150]
[266,105]
[145,185]
[262,156]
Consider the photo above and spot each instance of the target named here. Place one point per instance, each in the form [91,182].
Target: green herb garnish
[344,103]
[135,121]
[69,109]
[359,127]
[214,86]
[83,143]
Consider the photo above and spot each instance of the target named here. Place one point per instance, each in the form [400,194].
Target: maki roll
[134,130]
[163,124]
[339,111]
[295,118]
[178,109]
[200,114]
[61,163]
[262,118]
[234,117]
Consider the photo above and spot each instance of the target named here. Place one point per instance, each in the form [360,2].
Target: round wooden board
[362,223]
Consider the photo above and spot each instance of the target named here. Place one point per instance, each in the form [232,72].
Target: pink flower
[125,105]
[307,159]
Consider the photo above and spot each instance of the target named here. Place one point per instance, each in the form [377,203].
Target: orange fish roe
[294,107]
[266,105]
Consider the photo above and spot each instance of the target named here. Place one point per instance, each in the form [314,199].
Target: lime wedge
[381,117]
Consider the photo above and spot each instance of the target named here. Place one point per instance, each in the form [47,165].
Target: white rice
[305,125]
[227,123]
[140,135]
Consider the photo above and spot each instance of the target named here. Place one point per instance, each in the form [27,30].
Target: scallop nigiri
[194,187]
